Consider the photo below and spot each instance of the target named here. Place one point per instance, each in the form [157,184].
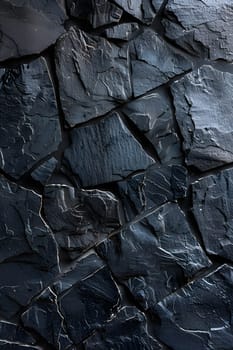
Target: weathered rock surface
[156,186]
[153,62]
[13,333]
[127,330]
[29,26]
[122,31]
[98,152]
[204,106]
[91,292]
[44,171]
[153,116]
[155,256]
[199,315]
[93,75]
[28,253]
[80,218]
[213,210]
[203,28]
[29,128]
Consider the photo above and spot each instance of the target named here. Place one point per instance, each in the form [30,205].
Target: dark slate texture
[213,210]
[123,31]
[28,253]
[30,128]
[199,315]
[93,75]
[29,26]
[81,302]
[205,123]
[44,171]
[153,257]
[153,62]
[13,333]
[154,118]
[98,152]
[126,331]
[156,186]
[80,218]
[203,28]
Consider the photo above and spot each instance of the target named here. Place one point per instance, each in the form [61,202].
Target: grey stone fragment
[79,218]
[203,28]
[13,333]
[153,116]
[153,62]
[213,210]
[121,31]
[156,186]
[29,26]
[30,128]
[204,105]
[93,75]
[127,330]
[105,151]
[44,172]
[199,315]
[78,304]
[28,252]
[153,257]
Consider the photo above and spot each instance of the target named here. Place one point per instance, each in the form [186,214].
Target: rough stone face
[29,26]
[156,186]
[91,292]
[13,333]
[153,257]
[153,62]
[204,106]
[153,116]
[122,31]
[29,128]
[80,218]
[126,331]
[93,75]
[199,315]
[203,28]
[44,171]
[213,210]
[28,253]
[98,152]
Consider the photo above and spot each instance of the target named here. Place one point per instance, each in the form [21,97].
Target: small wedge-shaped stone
[153,62]
[121,31]
[93,75]
[204,107]
[154,256]
[127,330]
[203,28]
[199,315]
[156,186]
[29,26]
[105,151]
[153,116]
[44,171]
[29,128]
[213,210]
[78,304]
[28,252]
[80,218]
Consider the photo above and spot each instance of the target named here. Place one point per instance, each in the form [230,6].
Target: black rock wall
[116,175]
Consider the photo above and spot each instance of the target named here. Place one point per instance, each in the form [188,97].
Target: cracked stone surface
[154,118]
[208,304]
[153,62]
[205,124]
[80,218]
[93,294]
[130,323]
[122,31]
[153,257]
[98,152]
[27,249]
[44,171]
[203,28]
[93,76]
[212,208]
[30,128]
[156,186]
[29,26]
[13,333]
